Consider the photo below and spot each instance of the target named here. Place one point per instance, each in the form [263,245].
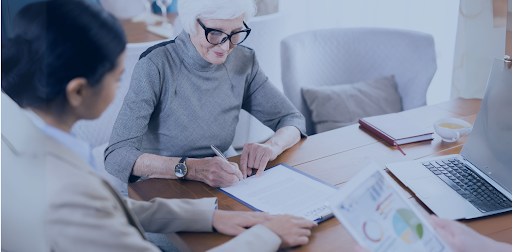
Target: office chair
[349,55]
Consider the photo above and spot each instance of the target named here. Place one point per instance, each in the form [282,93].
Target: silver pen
[219,153]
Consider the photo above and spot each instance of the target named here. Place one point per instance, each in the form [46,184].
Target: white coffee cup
[452,135]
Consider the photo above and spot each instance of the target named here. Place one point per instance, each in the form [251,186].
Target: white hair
[190,10]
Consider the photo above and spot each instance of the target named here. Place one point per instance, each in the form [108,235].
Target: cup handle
[457,137]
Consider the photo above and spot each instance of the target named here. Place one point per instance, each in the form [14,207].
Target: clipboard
[318,220]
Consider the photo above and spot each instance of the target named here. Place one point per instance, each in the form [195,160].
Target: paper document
[284,190]
[381,220]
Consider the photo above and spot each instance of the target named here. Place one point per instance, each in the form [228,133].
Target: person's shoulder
[157,59]
[69,182]
[161,56]
[158,50]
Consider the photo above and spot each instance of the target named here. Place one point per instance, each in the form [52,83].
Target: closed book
[394,128]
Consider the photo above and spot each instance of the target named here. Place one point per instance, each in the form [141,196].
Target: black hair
[54,42]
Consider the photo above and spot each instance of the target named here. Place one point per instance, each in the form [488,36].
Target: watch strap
[182,160]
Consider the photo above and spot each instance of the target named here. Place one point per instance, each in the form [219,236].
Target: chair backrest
[348,55]
[97,132]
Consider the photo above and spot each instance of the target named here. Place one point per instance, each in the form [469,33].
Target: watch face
[180,170]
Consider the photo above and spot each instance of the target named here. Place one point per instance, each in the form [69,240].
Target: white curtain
[480,39]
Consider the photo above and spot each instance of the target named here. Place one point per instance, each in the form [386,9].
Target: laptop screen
[489,146]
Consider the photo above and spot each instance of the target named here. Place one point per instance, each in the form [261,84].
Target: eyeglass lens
[216,37]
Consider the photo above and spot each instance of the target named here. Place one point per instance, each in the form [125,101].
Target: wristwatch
[181,169]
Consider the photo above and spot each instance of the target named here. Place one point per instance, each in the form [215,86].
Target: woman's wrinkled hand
[256,156]
[235,222]
[214,171]
[292,230]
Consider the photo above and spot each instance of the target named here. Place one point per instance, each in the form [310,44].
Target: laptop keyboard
[469,185]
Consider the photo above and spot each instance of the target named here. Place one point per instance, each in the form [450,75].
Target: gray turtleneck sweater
[178,104]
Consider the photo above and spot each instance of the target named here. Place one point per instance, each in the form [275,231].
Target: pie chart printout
[373,231]
[385,222]
[407,226]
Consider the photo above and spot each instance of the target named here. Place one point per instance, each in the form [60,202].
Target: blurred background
[468,34]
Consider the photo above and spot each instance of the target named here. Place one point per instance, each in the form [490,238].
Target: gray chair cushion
[341,105]
[349,55]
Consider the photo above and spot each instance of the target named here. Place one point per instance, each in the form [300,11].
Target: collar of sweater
[190,54]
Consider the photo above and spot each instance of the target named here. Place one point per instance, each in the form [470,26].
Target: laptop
[478,181]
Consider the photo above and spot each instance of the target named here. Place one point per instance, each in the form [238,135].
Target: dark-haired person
[63,64]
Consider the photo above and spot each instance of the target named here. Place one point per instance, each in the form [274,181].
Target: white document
[281,190]
[372,209]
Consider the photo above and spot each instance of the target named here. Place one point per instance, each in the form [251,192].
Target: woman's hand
[359,248]
[462,238]
[292,230]
[256,156]
[216,172]
[234,222]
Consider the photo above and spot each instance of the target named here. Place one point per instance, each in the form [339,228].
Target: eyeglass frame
[208,30]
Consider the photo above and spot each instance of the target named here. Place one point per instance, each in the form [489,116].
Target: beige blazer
[52,200]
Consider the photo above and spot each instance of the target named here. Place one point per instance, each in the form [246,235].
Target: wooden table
[137,33]
[335,156]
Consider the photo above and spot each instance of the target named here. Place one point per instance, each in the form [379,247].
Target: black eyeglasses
[216,37]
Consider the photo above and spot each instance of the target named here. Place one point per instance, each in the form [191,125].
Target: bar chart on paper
[378,213]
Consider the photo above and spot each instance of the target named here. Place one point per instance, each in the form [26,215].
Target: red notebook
[396,129]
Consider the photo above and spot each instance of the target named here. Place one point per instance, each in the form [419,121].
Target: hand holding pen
[219,154]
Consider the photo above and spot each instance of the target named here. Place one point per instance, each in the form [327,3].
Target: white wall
[436,17]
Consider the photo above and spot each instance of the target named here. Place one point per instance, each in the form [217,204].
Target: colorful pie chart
[373,231]
[407,226]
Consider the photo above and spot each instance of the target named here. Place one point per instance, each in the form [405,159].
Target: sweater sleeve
[269,105]
[132,121]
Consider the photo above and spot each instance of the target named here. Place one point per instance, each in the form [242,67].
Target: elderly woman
[186,94]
